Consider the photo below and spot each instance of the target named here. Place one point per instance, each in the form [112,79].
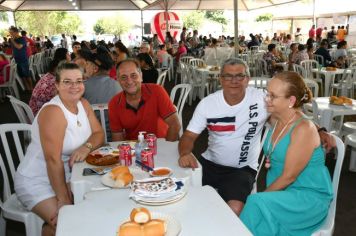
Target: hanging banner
[158,25]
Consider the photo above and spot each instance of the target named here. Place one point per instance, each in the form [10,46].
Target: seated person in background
[253,42]
[149,72]
[122,51]
[310,51]
[161,52]
[99,87]
[141,107]
[324,52]
[146,48]
[45,88]
[299,189]
[3,63]
[292,55]
[301,54]
[341,50]
[182,50]
[64,131]
[272,57]
[75,47]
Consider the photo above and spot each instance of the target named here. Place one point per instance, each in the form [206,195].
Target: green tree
[217,16]
[264,17]
[4,16]
[99,27]
[193,19]
[48,22]
[116,25]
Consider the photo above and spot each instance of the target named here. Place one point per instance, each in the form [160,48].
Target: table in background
[201,212]
[329,76]
[167,156]
[328,111]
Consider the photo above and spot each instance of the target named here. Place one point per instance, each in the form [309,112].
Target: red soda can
[151,140]
[125,154]
[147,158]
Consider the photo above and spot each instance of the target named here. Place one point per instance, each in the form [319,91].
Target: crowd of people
[234,117]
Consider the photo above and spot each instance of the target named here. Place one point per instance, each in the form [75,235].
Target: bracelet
[322,129]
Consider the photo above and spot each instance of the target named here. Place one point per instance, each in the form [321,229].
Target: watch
[89,145]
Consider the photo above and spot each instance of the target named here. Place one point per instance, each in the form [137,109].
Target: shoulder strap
[263,156]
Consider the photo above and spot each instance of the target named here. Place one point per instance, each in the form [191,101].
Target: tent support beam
[141,25]
[236,28]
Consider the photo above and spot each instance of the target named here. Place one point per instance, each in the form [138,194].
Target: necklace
[270,148]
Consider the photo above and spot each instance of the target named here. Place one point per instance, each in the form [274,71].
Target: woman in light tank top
[64,131]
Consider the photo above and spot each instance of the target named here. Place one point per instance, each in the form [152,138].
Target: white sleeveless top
[34,163]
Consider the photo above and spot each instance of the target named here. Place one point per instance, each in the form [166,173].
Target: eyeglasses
[133,76]
[271,97]
[69,83]
[229,77]
[77,47]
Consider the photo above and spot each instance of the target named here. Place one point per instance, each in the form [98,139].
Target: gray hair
[235,61]
[128,60]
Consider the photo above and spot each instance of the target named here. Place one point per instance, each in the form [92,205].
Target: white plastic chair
[308,65]
[350,140]
[311,83]
[100,110]
[11,208]
[23,111]
[162,78]
[184,90]
[10,80]
[328,226]
[184,60]
[346,82]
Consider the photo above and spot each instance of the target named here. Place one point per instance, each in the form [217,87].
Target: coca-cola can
[147,158]
[151,140]
[125,154]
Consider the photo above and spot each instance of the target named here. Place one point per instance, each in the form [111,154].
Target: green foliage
[99,27]
[116,25]
[217,16]
[4,16]
[264,17]
[4,32]
[193,19]
[48,22]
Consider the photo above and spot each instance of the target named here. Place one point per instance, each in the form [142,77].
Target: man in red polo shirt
[141,107]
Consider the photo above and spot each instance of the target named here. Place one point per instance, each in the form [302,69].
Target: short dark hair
[271,47]
[65,66]
[341,44]
[13,28]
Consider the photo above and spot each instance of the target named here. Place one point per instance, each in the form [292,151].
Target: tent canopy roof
[67,5]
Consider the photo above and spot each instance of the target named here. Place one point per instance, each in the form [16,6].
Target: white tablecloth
[167,156]
[201,212]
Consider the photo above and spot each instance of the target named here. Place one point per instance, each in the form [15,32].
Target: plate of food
[161,172]
[214,68]
[103,156]
[341,101]
[330,68]
[144,222]
[122,176]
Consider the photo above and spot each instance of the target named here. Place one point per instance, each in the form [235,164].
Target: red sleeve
[165,105]
[114,121]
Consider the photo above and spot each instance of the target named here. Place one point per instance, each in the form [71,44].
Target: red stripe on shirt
[221,128]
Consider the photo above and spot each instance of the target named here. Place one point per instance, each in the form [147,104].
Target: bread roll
[131,229]
[122,180]
[140,215]
[154,228]
[117,171]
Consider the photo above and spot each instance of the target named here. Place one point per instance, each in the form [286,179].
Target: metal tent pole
[236,28]
[141,25]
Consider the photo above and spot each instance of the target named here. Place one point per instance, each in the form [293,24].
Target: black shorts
[231,183]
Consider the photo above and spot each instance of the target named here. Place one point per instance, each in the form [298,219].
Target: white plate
[173,225]
[158,168]
[137,173]
[160,203]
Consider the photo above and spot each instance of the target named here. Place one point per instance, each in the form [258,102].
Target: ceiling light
[76,8]
[70,0]
[74,4]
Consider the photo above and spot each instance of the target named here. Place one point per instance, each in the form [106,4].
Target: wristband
[89,146]
[322,129]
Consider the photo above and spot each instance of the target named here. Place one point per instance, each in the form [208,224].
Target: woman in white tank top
[64,132]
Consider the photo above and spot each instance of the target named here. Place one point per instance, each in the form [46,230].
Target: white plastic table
[329,76]
[201,212]
[167,156]
[328,111]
